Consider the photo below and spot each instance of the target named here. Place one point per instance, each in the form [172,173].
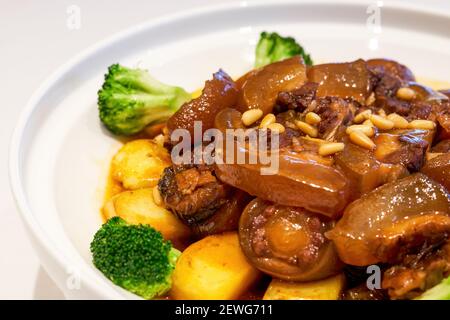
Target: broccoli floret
[131,99]
[135,257]
[439,292]
[272,47]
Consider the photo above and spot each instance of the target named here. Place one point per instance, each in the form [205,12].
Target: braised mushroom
[286,242]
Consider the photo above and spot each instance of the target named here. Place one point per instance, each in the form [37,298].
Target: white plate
[60,154]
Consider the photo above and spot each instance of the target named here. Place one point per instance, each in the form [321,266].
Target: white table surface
[34,40]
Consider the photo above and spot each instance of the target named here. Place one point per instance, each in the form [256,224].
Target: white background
[34,41]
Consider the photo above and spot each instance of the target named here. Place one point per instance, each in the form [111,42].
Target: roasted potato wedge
[326,289]
[138,207]
[213,268]
[139,164]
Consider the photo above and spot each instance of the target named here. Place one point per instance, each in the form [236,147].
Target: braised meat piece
[298,99]
[387,77]
[200,200]
[334,112]
[218,93]
[407,149]
[391,68]
[393,221]
[361,292]
[418,272]
[192,193]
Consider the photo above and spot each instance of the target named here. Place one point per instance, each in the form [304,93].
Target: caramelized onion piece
[344,80]
[218,93]
[260,88]
[438,169]
[286,242]
[392,220]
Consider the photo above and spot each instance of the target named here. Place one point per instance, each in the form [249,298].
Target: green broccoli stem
[438,292]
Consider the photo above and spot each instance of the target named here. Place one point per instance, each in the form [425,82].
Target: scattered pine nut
[382,113]
[399,121]
[165,131]
[368,123]
[276,127]
[431,155]
[364,115]
[316,140]
[312,118]
[370,99]
[157,196]
[251,116]
[367,130]
[290,125]
[381,123]
[406,93]
[307,128]
[268,119]
[159,140]
[360,139]
[422,124]
[330,148]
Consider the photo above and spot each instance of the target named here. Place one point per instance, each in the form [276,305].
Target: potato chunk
[213,268]
[138,207]
[326,289]
[139,164]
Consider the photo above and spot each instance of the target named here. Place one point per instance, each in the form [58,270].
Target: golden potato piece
[138,206]
[139,164]
[213,268]
[326,289]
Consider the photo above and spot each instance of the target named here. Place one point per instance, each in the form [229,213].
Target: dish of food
[362,182]
[62,201]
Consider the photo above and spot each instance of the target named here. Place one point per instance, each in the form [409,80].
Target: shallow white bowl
[60,153]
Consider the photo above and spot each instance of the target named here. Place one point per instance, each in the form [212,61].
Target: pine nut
[360,139]
[312,118]
[165,131]
[382,113]
[306,128]
[251,116]
[330,148]
[367,130]
[399,121]
[381,123]
[268,119]
[422,124]
[157,196]
[368,123]
[276,127]
[431,155]
[370,99]
[360,117]
[316,140]
[406,93]
[159,140]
